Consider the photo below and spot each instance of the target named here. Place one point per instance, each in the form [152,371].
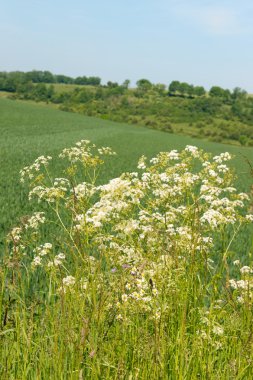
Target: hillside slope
[29,130]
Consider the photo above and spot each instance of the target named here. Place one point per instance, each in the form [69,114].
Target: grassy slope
[28,130]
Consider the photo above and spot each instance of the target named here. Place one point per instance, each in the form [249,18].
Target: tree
[112,84]
[64,79]
[239,93]
[94,81]
[35,76]
[126,83]
[174,87]
[81,80]
[48,77]
[144,84]
[199,91]
[219,92]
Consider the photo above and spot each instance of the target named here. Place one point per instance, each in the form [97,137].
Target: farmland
[218,115]
[29,130]
[129,280]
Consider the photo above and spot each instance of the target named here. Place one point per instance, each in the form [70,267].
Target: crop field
[146,276]
[29,130]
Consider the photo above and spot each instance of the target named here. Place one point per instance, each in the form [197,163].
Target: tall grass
[138,278]
[29,130]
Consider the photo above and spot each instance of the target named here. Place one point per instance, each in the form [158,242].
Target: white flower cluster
[222,157]
[147,226]
[57,261]
[40,252]
[84,190]
[85,152]
[243,288]
[31,171]
[68,283]
[35,220]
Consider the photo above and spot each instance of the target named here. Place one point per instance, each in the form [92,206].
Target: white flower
[240,299]
[36,261]
[173,155]
[233,284]
[142,162]
[218,330]
[68,281]
[193,150]
[245,269]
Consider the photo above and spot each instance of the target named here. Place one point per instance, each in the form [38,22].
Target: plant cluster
[139,281]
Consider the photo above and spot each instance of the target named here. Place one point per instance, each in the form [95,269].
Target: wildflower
[36,261]
[217,330]
[193,150]
[68,281]
[142,163]
[245,269]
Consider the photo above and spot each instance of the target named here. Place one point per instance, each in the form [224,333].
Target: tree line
[19,81]
[219,114]
[11,81]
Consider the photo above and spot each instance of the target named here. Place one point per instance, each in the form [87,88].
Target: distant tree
[199,91]
[239,93]
[35,76]
[48,77]
[25,89]
[190,90]
[219,92]
[184,88]
[126,83]
[112,84]
[81,80]
[174,87]
[216,91]
[10,85]
[144,84]
[64,79]
[94,81]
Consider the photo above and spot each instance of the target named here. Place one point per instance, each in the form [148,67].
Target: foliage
[10,81]
[29,130]
[182,106]
[138,281]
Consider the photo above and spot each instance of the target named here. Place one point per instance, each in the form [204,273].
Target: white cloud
[213,19]
[218,21]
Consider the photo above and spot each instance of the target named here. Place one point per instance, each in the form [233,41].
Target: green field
[28,130]
[169,299]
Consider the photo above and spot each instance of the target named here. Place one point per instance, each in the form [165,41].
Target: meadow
[146,277]
[29,130]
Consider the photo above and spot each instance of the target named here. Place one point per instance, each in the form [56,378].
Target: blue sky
[200,42]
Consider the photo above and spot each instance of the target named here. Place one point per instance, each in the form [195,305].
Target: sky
[197,41]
